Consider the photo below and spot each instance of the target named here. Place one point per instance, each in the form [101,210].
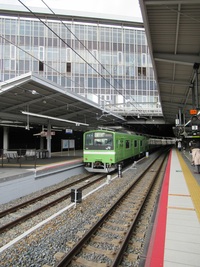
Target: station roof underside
[172,29]
[30,100]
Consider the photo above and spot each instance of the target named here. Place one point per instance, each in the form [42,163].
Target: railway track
[24,209]
[106,241]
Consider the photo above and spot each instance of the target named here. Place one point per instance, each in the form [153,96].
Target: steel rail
[46,206]
[85,238]
[118,258]
[35,199]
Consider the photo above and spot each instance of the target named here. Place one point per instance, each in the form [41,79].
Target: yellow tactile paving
[192,184]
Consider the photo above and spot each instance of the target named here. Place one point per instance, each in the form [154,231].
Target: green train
[103,150]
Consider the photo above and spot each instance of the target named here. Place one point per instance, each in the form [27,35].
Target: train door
[119,148]
[136,147]
[142,146]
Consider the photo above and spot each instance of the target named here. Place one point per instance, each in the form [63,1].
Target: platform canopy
[30,100]
[173,33]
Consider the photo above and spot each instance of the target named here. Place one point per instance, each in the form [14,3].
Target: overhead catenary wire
[103,67]
[61,39]
[20,48]
[50,67]
[43,96]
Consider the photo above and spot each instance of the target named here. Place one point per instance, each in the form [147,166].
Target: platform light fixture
[14,125]
[53,118]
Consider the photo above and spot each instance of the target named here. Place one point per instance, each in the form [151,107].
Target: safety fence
[22,157]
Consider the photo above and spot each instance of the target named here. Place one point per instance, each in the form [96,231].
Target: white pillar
[41,142]
[49,138]
[5,138]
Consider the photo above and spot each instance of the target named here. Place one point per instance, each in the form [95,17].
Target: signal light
[193,112]
[194,118]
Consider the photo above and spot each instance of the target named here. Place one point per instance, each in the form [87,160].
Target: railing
[142,109]
[22,157]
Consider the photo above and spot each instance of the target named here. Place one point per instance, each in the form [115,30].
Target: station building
[105,60]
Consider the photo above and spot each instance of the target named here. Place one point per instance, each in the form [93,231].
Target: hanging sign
[193,112]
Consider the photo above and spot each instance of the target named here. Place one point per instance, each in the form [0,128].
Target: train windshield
[99,141]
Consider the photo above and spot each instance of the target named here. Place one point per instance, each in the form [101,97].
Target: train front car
[99,151]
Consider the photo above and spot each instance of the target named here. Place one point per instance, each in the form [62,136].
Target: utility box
[76,195]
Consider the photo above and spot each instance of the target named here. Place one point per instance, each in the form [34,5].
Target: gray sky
[128,8]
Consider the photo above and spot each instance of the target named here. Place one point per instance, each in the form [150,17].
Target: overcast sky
[128,8]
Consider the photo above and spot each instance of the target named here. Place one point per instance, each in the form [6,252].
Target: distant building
[104,60]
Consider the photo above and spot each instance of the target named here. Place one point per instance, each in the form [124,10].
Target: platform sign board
[68,131]
[72,143]
[66,143]
[47,134]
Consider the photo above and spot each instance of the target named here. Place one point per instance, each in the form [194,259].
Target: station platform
[175,240]
[58,161]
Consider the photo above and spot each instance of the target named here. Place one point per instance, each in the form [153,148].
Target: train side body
[104,150]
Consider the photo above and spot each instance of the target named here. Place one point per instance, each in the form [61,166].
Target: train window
[103,141]
[120,143]
[89,139]
[99,141]
[141,143]
[135,143]
[127,143]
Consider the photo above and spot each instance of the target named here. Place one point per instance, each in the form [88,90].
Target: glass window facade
[109,65]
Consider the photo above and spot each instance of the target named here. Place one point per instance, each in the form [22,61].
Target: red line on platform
[155,255]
